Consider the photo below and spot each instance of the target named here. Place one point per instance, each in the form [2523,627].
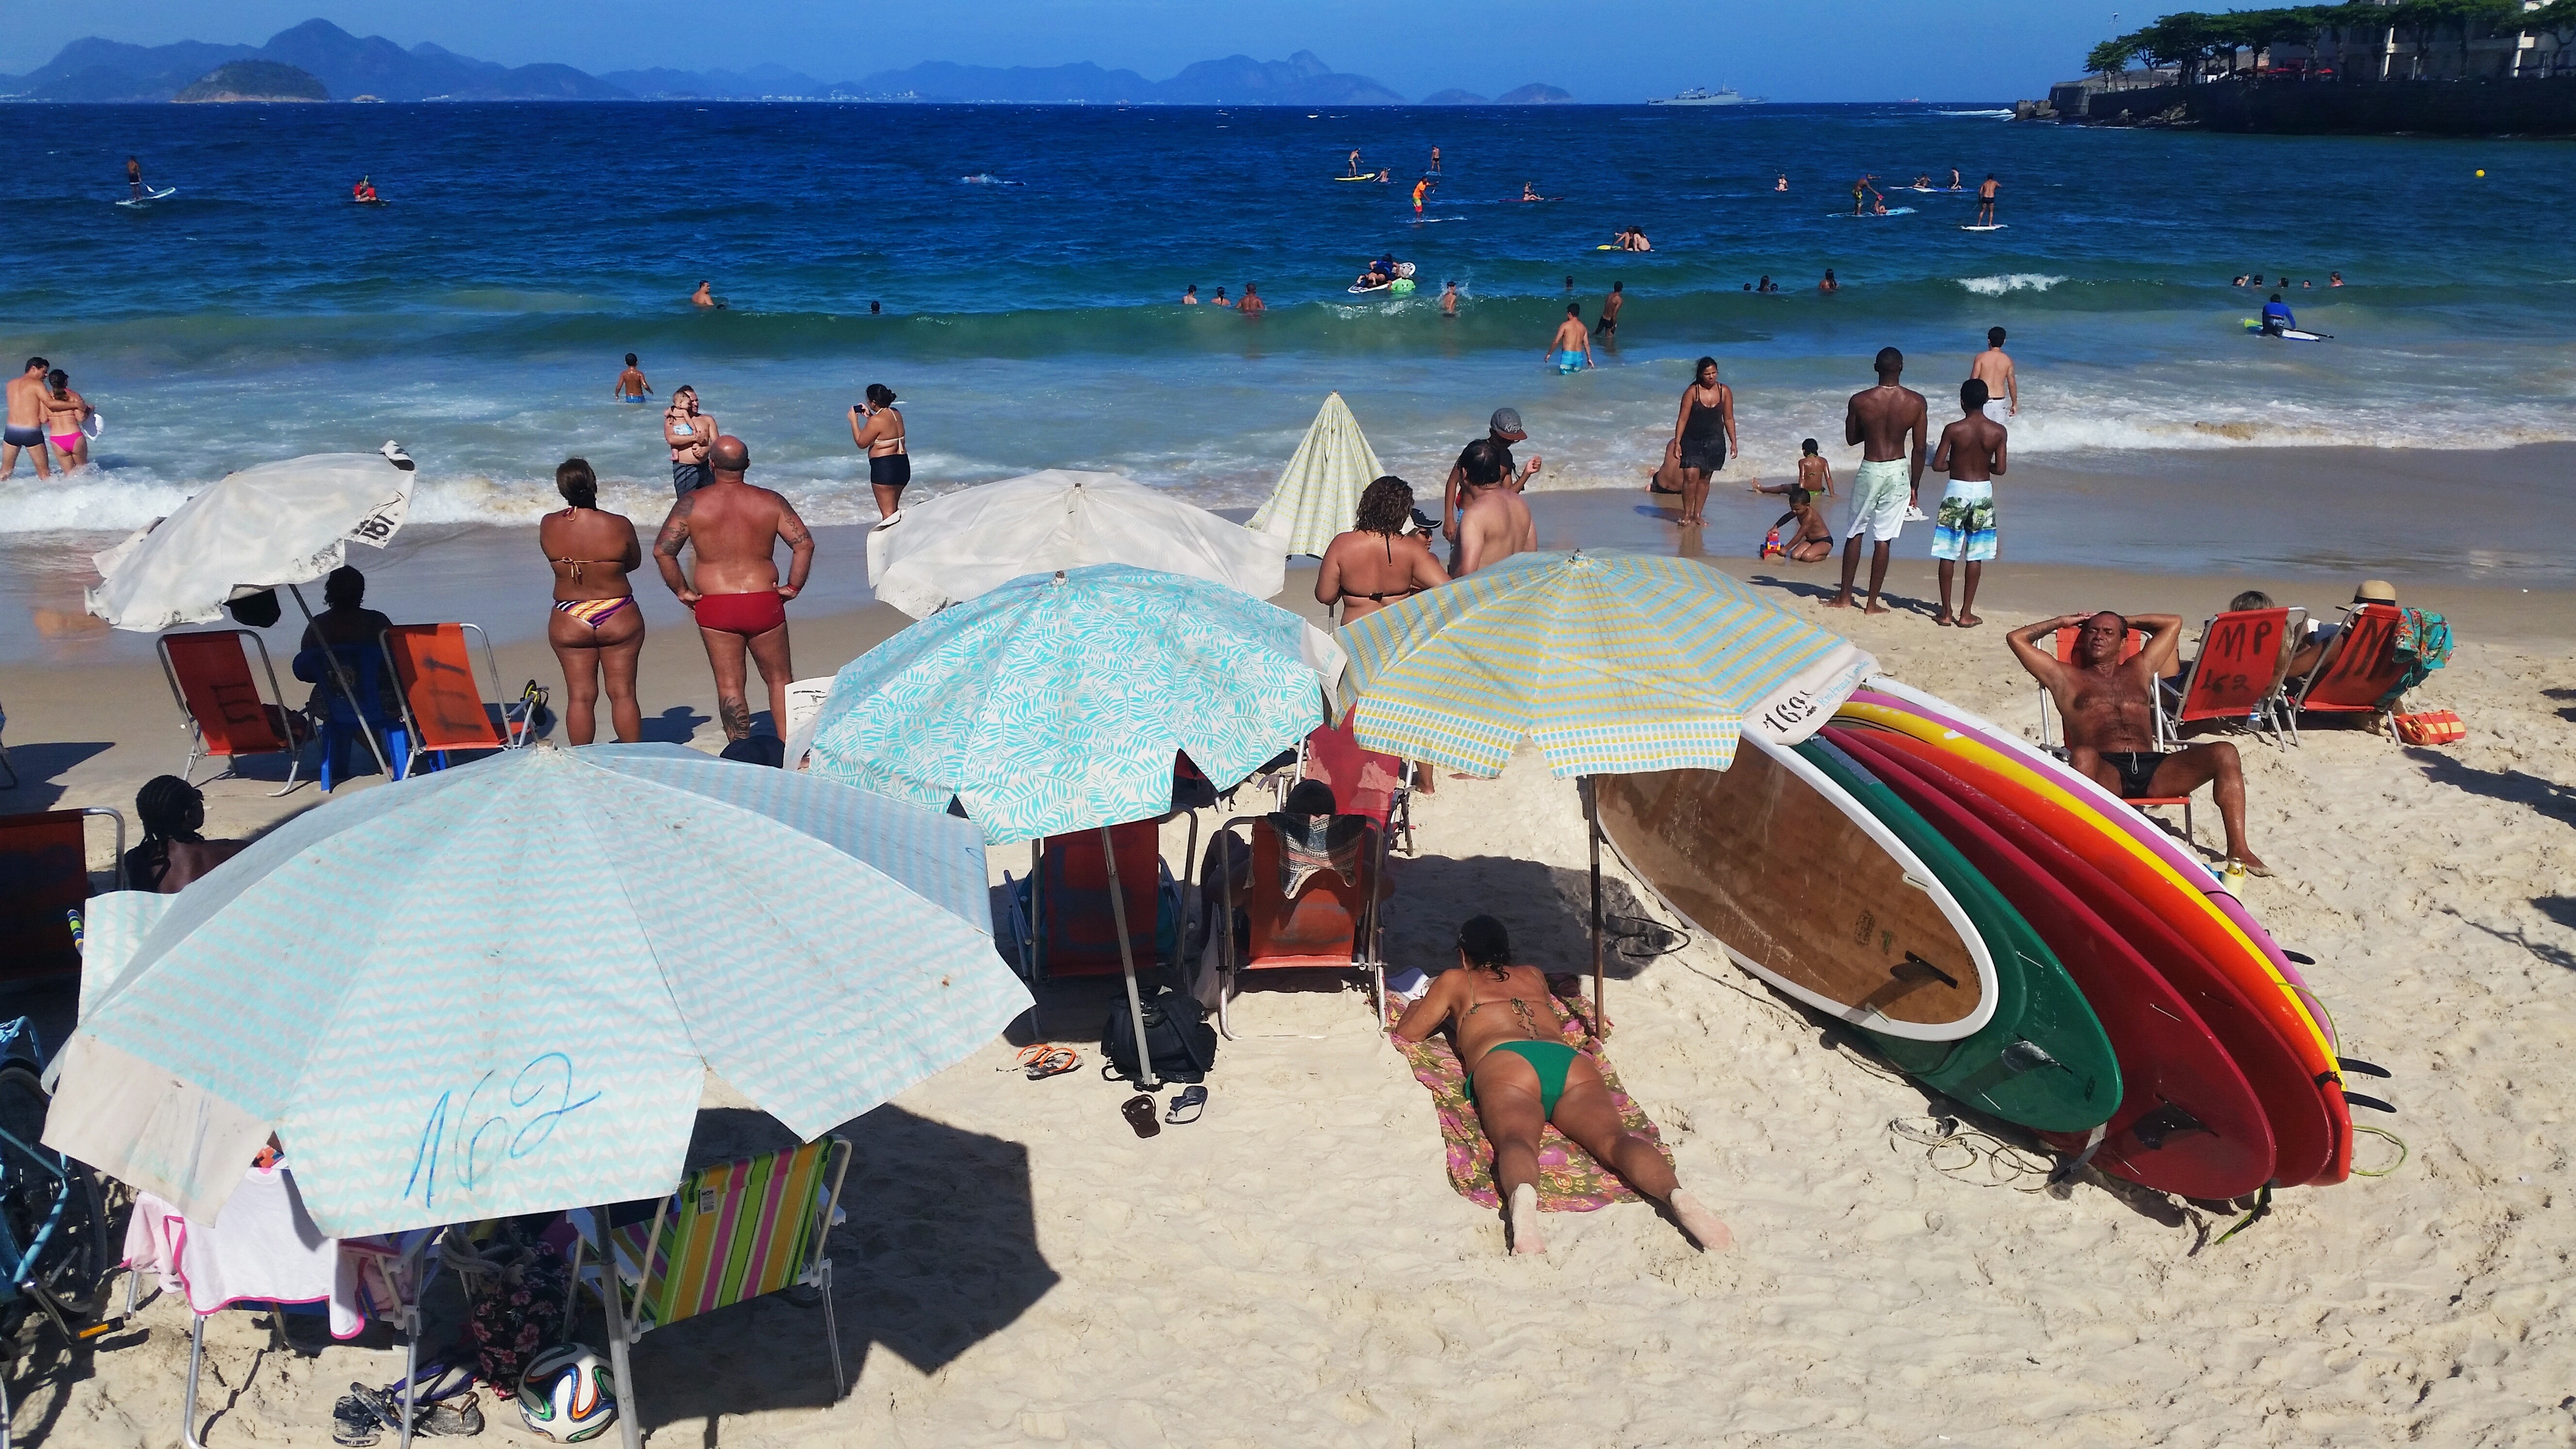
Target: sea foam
[1996,286]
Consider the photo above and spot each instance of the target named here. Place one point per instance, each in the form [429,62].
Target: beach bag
[2432,727]
[1176,1031]
[2423,644]
[767,750]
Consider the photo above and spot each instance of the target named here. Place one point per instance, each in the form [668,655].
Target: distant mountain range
[375,68]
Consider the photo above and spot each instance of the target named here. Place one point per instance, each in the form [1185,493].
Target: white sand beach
[1296,1269]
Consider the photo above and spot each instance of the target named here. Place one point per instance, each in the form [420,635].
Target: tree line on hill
[2194,43]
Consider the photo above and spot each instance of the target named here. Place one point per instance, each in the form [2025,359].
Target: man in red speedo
[736,529]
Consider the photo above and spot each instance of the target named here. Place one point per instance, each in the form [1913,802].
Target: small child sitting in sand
[1813,540]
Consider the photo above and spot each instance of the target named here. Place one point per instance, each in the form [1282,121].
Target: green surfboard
[2043,1060]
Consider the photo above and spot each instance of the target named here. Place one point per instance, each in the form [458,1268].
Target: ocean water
[1031,320]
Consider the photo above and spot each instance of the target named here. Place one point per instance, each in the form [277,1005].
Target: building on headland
[2464,67]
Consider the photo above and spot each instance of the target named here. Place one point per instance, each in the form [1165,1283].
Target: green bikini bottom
[1550,1059]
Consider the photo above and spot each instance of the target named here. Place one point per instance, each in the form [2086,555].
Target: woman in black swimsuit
[1704,431]
[1379,562]
[878,430]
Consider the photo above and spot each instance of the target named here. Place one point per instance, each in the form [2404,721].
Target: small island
[254,80]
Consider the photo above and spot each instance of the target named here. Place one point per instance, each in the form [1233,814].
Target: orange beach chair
[1331,925]
[2237,676]
[221,705]
[442,709]
[2359,667]
[44,877]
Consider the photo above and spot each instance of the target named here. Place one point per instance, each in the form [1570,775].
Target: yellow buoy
[2482,171]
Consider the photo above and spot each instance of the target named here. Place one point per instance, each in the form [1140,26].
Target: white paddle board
[1997,226]
[150,196]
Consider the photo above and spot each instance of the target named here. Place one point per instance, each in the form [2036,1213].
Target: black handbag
[1176,1032]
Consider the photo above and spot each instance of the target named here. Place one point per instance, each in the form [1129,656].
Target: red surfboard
[2187,1122]
[2304,1131]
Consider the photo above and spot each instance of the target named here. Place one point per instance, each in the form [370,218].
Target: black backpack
[1177,1030]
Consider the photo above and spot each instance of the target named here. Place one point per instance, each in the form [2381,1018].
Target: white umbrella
[274,525]
[948,550]
[1318,495]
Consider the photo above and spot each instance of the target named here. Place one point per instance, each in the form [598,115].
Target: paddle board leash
[2063,1179]
[2006,1162]
[2402,1153]
[2262,1210]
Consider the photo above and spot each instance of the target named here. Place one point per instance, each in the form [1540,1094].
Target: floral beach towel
[1569,1180]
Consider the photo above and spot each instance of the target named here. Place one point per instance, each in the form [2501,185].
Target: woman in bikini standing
[1522,1074]
[596,628]
[878,430]
[1704,432]
[1378,562]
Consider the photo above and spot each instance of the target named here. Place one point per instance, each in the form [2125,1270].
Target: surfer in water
[1523,1073]
[365,190]
[2110,712]
[1782,184]
[1986,200]
[1435,160]
[134,177]
[1355,164]
[1954,180]
[2277,318]
[1420,189]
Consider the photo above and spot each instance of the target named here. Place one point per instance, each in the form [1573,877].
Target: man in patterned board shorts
[1972,453]
[1888,421]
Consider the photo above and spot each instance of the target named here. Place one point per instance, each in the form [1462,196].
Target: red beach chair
[2237,676]
[1331,925]
[221,704]
[442,709]
[44,876]
[1364,782]
[1076,933]
[2359,668]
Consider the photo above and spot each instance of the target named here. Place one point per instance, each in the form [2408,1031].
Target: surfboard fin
[2367,1069]
[2358,1100]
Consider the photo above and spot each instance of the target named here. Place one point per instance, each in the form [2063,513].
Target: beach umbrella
[273,526]
[1613,663]
[1056,703]
[498,988]
[947,550]
[1318,495]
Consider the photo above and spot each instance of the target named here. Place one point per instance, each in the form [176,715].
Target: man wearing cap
[1502,430]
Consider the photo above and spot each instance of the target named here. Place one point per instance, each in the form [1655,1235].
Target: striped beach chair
[733,1232]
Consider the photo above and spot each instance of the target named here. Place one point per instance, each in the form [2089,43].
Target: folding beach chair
[2238,673]
[2359,668]
[220,703]
[1071,929]
[1332,924]
[5,764]
[44,877]
[263,1253]
[1364,782]
[344,718]
[733,1232]
[441,708]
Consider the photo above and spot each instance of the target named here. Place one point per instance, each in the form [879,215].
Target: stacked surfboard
[2008,933]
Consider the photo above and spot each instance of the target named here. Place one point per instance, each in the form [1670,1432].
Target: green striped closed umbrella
[1614,663]
[1318,494]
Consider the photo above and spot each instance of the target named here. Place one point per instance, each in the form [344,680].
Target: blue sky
[1621,50]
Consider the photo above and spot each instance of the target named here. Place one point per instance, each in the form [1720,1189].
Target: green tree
[2111,58]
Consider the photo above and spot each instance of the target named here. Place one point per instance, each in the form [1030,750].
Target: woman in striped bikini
[596,629]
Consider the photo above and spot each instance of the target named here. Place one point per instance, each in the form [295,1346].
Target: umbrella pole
[348,689]
[1592,829]
[1127,958]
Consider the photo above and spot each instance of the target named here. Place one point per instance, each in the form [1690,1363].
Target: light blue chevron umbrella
[497,989]
[1615,663]
[1055,702]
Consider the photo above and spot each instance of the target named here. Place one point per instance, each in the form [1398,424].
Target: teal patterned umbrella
[499,988]
[1056,702]
[1614,663]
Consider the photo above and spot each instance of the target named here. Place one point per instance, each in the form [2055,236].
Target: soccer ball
[567,1395]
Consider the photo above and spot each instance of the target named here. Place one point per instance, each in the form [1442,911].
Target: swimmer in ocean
[704,296]
[631,386]
[1782,184]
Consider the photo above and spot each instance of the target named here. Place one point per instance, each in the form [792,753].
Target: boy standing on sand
[1994,368]
[1972,453]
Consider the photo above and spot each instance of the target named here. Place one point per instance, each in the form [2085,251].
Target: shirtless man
[703,296]
[1972,453]
[740,604]
[1571,348]
[1986,200]
[1252,305]
[1994,368]
[1502,430]
[134,177]
[1608,326]
[631,386]
[1378,562]
[2111,716]
[26,428]
[1449,300]
[1355,163]
[1885,420]
[1496,523]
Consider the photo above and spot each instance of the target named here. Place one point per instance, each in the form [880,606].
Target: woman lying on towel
[1522,1075]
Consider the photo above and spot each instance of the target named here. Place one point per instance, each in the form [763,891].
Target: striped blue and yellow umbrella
[500,988]
[1056,702]
[1614,663]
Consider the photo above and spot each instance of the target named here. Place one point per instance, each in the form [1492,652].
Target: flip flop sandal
[1043,1061]
[353,1423]
[1192,1100]
[1139,1112]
